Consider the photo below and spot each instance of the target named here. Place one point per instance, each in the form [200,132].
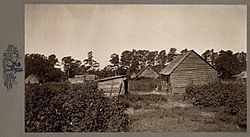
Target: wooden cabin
[187,68]
[32,79]
[147,72]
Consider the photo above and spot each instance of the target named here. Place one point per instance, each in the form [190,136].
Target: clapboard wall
[193,69]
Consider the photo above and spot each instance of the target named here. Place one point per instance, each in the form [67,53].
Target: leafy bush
[53,107]
[229,96]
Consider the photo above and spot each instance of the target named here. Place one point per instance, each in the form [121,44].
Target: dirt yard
[163,113]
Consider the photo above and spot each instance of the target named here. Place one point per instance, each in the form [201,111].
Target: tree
[54,75]
[151,58]
[126,60]
[210,56]
[227,64]
[105,72]
[52,59]
[171,55]
[135,64]
[131,62]
[76,67]
[214,56]
[72,66]
[91,63]
[242,57]
[43,67]
[184,51]
[67,61]
[36,64]
[82,69]
[142,58]
[114,59]
[115,62]
[162,59]
[134,61]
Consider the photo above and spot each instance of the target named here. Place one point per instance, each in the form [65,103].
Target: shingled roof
[148,66]
[34,75]
[177,61]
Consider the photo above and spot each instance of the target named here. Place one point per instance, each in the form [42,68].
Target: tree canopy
[43,66]
[226,63]
[129,62]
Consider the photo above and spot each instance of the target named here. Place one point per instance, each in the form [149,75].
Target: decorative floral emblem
[11,66]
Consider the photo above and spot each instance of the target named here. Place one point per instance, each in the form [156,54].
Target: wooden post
[126,86]
[120,89]
[111,88]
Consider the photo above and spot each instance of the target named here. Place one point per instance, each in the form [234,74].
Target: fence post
[111,88]
[125,86]
[120,88]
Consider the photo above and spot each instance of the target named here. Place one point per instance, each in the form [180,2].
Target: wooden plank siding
[194,70]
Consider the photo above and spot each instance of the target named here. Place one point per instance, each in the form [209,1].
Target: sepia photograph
[135,68]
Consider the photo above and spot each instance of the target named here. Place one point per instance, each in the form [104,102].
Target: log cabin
[187,68]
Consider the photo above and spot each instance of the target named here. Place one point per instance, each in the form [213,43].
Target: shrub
[53,107]
[229,96]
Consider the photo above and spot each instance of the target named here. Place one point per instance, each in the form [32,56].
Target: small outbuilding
[187,68]
[32,79]
[147,72]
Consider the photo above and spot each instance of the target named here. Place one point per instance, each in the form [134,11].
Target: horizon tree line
[130,62]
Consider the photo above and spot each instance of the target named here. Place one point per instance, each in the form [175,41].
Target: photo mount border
[21,133]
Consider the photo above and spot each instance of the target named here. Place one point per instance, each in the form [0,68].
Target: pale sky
[74,30]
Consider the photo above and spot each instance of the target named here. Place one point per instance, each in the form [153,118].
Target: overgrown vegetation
[140,101]
[143,84]
[229,99]
[57,107]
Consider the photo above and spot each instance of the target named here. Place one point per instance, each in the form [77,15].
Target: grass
[142,101]
[159,113]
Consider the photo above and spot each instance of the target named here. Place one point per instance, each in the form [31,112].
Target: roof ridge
[38,77]
[180,59]
[188,53]
[143,69]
